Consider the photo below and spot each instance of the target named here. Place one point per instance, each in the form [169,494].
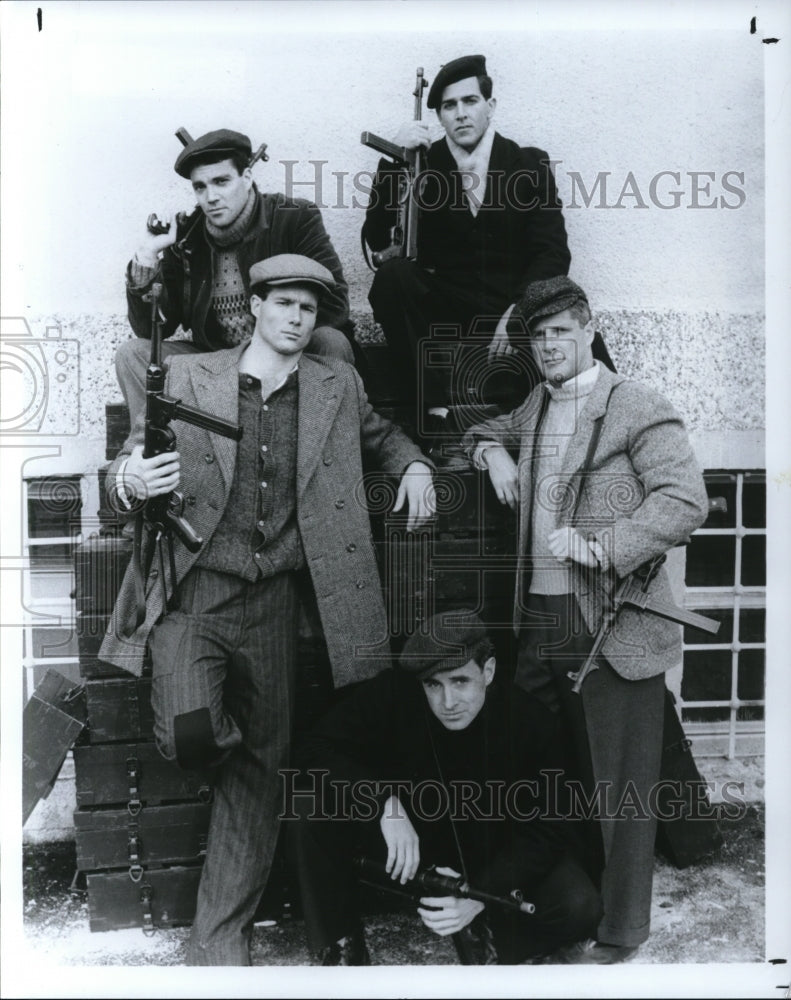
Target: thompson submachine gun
[158,228]
[403,235]
[632,591]
[163,515]
[429,882]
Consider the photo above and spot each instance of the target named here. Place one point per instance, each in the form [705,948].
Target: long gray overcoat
[337,427]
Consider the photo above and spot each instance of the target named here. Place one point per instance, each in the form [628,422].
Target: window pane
[750,685]
[752,625]
[696,636]
[58,642]
[705,714]
[711,561]
[751,713]
[754,561]
[721,486]
[754,501]
[707,675]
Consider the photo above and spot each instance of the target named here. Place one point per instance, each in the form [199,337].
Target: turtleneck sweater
[549,495]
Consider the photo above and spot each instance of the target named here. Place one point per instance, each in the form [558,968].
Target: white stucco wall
[107,85]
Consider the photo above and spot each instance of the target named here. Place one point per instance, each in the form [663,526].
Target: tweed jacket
[337,430]
[279,225]
[518,235]
[643,495]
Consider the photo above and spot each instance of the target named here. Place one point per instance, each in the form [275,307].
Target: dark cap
[548,298]
[452,72]
[291,269]
[452,637]
[221,141]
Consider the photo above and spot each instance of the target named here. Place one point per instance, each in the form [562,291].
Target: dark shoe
[592,953]
[349,950]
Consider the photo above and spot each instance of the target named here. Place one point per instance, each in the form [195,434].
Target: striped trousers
[224,667]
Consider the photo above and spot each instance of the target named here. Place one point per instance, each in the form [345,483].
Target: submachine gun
[431,883]
[632,591]
[409,164]
[163,515]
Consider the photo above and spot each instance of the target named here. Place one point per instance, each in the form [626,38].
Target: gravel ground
[698,916]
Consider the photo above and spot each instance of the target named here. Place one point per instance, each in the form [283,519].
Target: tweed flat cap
[291,269]
[222,140]
[548,298]
[452,72]
[452,637]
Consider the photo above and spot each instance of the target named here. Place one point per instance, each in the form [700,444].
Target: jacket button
[154,574]
[328,460]
[340,504]
[190,501]
[351,547]
[209,458]
[360,585]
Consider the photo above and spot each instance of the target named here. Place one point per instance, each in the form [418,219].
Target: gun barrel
[398,153]
[198,418]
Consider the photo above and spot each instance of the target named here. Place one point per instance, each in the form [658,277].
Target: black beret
[291,269]
[452,637]
[547,298]
[452,72]
[222,140]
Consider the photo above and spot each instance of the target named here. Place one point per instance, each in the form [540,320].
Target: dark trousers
[223,692]
[439,327]
[615,728]
[567,904]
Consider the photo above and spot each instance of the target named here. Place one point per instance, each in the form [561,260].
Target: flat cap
[452,72]
[452,637]
[222,140]
[548,298]
[291,269]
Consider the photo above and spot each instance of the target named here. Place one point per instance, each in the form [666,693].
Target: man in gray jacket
[285,530]
[605,481]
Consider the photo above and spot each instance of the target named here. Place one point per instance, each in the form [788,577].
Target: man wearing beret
[437,763]
[204,259]
[605,481]
[490,223]
[285,535]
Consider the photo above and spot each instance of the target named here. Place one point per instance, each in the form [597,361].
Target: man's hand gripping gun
[632,591]
[409,162]
[429,883]
[163,514]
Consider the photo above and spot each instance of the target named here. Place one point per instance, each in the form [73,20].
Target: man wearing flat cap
[439,763]
[489,223]
[285,538]
[601,474]
[203,262]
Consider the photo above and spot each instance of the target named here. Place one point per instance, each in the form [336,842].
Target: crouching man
[284,536]
[435,763]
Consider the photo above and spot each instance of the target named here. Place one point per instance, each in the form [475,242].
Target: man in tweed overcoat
[285,529]
[587,518]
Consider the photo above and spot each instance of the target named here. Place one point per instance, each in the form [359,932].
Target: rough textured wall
[658,138]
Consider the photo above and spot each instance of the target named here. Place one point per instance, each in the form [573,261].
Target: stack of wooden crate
[141,822]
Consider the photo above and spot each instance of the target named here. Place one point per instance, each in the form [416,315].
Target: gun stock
[632,591]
